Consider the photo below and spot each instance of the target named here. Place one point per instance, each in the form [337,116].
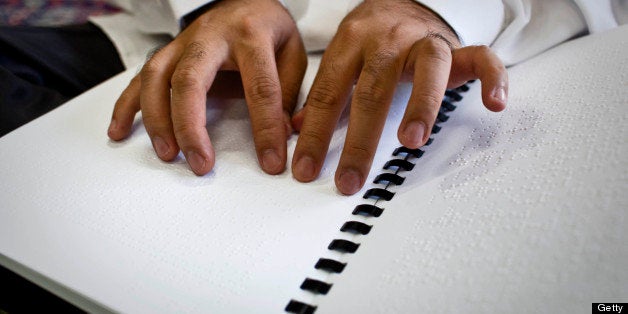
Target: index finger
[262,91]
[369,109]
[430,59]
[190,82]
[325,102]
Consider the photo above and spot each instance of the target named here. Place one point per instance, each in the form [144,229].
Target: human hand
[380,43]
[257,38]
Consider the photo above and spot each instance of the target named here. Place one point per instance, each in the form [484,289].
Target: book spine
[402,162]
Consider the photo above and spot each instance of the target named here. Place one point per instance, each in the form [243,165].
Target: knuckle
[264,89]
[357,150]
[482,50]
[314,138]
[184,129]
[185,79]
[267,130]
[385,60]
[372,100]
[434,49]
[153,122]
[484,61]
[324,95]
[155,52]
[396,32]
[249,27]
[430,102]
[194,51]
[352,28]
[151,68]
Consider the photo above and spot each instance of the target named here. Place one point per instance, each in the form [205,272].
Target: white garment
[515,29]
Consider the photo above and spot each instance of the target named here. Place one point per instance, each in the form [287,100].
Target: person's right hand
[257,38]
[377,45]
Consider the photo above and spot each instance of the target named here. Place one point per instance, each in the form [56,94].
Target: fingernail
[196,161]
[413,133]
[349,182]
[161,147]
[500,94]
[112,126]
[304,168]
[271,162]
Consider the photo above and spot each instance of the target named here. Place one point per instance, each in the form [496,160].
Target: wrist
[445,30]
[187,19]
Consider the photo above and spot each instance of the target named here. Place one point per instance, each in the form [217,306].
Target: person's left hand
[257,38]
[380,43]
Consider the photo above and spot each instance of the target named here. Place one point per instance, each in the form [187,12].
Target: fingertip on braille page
[299,307]
[161,147]
[349,182]
[304,169]
[413,134]
[117,131]
[197,162]
[501,96]
[271,163]
[113,127]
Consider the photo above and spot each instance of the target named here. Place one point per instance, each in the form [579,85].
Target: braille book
[519,211]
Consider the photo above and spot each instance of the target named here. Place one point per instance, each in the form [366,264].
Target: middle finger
[369,108]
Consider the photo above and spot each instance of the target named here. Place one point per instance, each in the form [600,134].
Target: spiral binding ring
[435,129]
[372,210]
[330,265]
[417,153]
[455,96]
[356,227]
[299,307]
[315,286]
[400,164]
[378,194]
[368,210]
[390,178]
[463,88]
[442,117]
[447,106]
[343,246]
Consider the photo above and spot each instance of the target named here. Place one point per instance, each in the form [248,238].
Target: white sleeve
[164,16]
[520,29]
[318,20]
[476,22]
[144,25]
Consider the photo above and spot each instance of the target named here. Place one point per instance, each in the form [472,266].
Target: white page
[111,227]
[522,211]
[118,227]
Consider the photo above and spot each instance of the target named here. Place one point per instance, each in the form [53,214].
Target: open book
[521,211]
